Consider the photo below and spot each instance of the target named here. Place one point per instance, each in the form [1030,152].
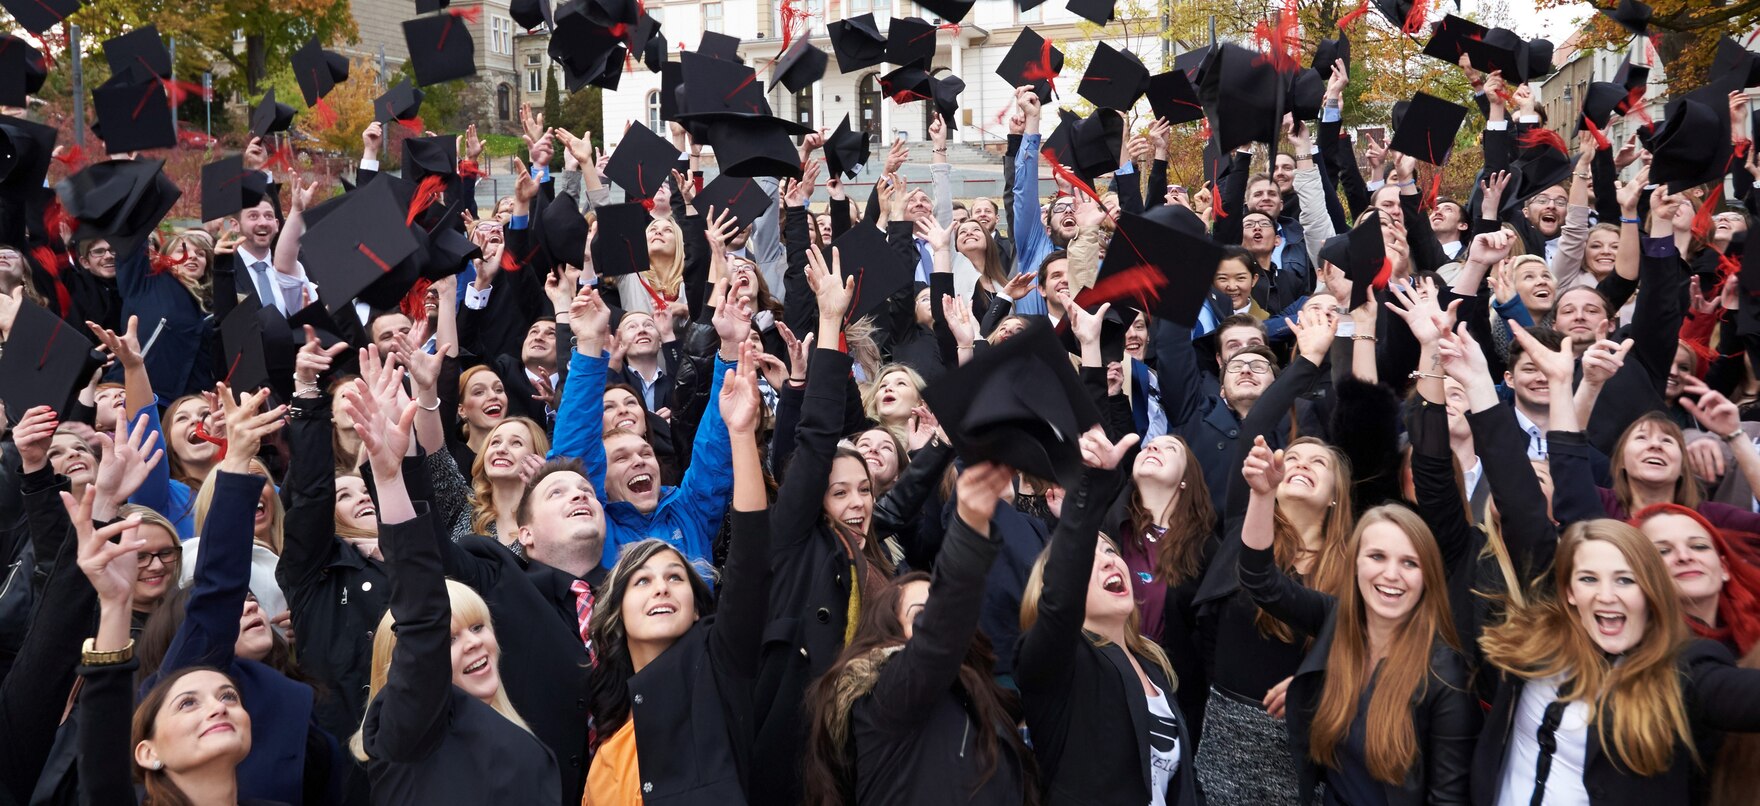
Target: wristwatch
[91,657]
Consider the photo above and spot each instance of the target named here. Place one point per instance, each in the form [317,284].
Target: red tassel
[1281,44]
[160,263]
[1415,18]
[1634,105]
[1041,69]
[51,263]
[1601,143]
[1350,19]
[180,91]
[1386,274]
[324,115]
[1430,194]
[426,194]
[471,14]
[467,169]
[415,303]
[1542,137]
[414,125]
[1707,210]
[281,159]
[1141,284]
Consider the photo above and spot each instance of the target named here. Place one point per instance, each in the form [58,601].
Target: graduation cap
[613,12]
[25,150]
[879,271]
[228,187]
[530,14]
[1520,60]
[1486,50]
[1306,94]
[270,116]
[1691,147]
[134,113]
[1542,162]
[435,156]
[671,80]
[741,195]
[1600,101]
[1019,403]
[1031,60]
[857,43]
[357,243]
[648,40]
[317,71]
[1428,129]
[140,48]
[562,231]
[717,90]
[1732,63]
[1240,94]
[118,200]
[800,67]
[38,16]
[583,48]
[440,48]
[1631,15]
[46,362]
[906,84]
[1173,97]
[1162,262]
[22,70]
[949,10]
[1089,146]
[945,91]
[846,150]
[642,162]
[1191,61]
[241,336]
[1099,12]
[1539,53]
[620,239]
[1329,51]
[402,102]
[1362,254]
[756,147]
[449,250]
[910,42]
[719,46]
[1115,78]
[1400,12]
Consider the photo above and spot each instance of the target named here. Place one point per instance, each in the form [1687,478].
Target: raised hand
[1632,191]
[384,430]
[525,187]
[978,489]
[1491,248]
[1263,468]
[931,230]
[126,347]
[719,227]
[589,318]
[111,567]
[247,425]
[1462,359]
[1086,326]
[733,319]
[687,190]
[423,366]
[580,148]
[303,194]
[1421,312]
[896,155]
[371,138]
[32,435]
[799,352]
[958,313]
[1557,365]
[832,290]
[1491,189]
[741,404]
[1627,153]
[1020,285]
[1715,412]
[473,145]
[313,359]
[1314,339]
[1101,453]
[125,460]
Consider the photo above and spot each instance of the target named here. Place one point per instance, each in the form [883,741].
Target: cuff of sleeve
[369,165]
[1331,114]
[1497,126]
[1126,169]
[519,222]
[541,173]
[1528,119]
[476,298]
[1376,185]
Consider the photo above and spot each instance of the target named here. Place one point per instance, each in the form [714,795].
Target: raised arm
[1285,599]
[799,501]
[580,421]
[107,697]
[310,524]
[740,615]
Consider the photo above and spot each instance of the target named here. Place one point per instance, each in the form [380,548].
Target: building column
[885,104]
[955,64]
[819,111]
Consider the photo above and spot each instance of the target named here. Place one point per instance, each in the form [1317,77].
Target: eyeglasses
[1257,366]
[1255,225]
[101,251]
[164,556]
[1063,207]
[1550,201]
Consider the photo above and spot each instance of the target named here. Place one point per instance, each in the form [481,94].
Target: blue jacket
[177,335]
[160,492]
[1031,241]
[689,515]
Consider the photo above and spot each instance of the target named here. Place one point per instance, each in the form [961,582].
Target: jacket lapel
[1138,702]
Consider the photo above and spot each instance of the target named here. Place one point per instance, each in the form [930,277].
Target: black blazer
[1084,704]
[426,740]
[1719,697]
[1445,714]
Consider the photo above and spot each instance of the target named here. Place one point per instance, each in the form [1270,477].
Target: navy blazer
[180,359]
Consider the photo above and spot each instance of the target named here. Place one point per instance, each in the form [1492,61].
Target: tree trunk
[255,69]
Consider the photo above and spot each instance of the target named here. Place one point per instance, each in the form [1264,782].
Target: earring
[158,765]
[1182,485]
[1331,504]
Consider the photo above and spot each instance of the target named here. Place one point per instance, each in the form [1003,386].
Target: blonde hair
[202,289]
[482,492]
[467,608]
[1135,642]
[871,390]
[668,279]
[277,514]
[1637,707]
[149,517]
[350,531]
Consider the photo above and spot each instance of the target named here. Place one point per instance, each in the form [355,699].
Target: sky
[1522,17]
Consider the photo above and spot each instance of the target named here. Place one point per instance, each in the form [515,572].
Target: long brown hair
[160,790]
[1392,743]
[1190,518]
[1636,707]
[1135,641]
[482,492]
[868,545]
[1330,571]
[1686,488]
[609,681]
[829,777]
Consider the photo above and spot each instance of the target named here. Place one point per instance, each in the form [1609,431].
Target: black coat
[426,740]
[1084,704]
[1719,697]
[1445,714]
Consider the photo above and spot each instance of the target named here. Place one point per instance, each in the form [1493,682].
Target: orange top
[615,778]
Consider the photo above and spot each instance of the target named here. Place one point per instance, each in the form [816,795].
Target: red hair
[1738,604]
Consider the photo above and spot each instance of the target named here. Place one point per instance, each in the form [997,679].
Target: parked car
[190,138]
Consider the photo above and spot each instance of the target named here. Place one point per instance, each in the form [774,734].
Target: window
[857,7]
[658,13]
[500,35]
[534,81]
[803,106]
[1027,15]
[504,102]
[654,121]
[712,17]
[534,59]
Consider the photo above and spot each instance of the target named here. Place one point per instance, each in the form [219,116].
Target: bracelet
[1419,374]
[1624,220]
[1581,175]
[1733,435]
[92,657]
[938,151]
[435,407]
[302,386]
[1363,337]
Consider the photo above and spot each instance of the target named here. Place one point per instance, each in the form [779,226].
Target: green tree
[552,98]
[1685,33]
[584,112]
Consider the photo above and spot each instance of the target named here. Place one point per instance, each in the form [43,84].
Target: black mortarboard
[270,116]
[1031,60]
[38,16]
[1173,97]
[1112,332]
[879,271]
[720,91]
[1240,93]
[719,46]
[531,14]
[1191,61]
[910,42]
[857,43]
[440,48]
[1487,49]
[800,67]
[949,10]
[609,77]
[1691,146]
[1505,50]
[1539,52]
[756,147]
[449,250]
[1428,129]
[620,239]
[1541,162]
[1020,404]
[312,68]
[946,90]
[134,113]
[1732,62]
[641,163]
[1362,254]
[247,363]
[611,13]
[435,156]
[1305,95]
[25,150]
[583,48]
[227,187]
[1748,303]
[359,242]
[1398,12]
[845,151]
[562,231]
[906,84]
[1088,147]
[1099,12]
[1162,262]
[22,70]
[47,361]
[1329,51]
[1599,102]
[1631,15]
[742,195]
[649,41]
[402,102]
[140,48]
[118,200]
[1115,78]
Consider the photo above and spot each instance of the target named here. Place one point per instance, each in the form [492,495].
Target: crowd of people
[903,502]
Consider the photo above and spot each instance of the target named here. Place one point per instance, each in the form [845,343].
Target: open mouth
[857,521]
[1389,594]
[626,422]
[76,467]
[888,399]
[1543,293]
[1148,460]
[1654,461]
[640,484]
[1300,480]
[478,667]
[261,510]
[152,579]
[582,511]
[254,625]
[1610,623]
[492,410]
[1114,584]
[501,461]
[365,511]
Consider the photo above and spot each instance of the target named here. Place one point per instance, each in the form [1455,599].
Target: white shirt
[1536,437]
[1452,249]
[1163,748]
[1564,783]
[1473,476]
[280,283]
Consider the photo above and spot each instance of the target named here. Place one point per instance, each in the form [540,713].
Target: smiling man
[1533,394]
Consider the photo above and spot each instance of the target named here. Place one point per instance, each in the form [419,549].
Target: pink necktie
[583,613]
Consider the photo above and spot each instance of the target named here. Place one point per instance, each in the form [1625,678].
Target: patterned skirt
[1244,758]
